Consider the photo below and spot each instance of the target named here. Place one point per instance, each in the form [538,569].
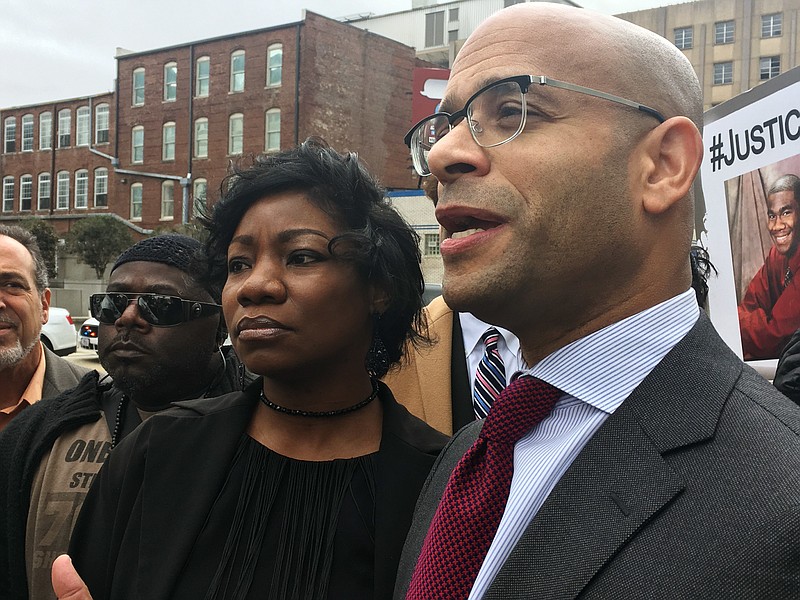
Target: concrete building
[162,143]
[733,44]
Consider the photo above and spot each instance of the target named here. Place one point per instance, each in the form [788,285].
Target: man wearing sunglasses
[636,456]
[160,340]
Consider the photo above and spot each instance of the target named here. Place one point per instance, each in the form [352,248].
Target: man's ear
[45,305]
[669,158]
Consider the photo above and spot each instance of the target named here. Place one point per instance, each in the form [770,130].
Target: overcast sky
[59,49]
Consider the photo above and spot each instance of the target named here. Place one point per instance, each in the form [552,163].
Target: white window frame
[684,37]
[235,138]
[723,73]
[434,29]
[724,32]
[137,195]
[45,130]
[137,87]
[137,145]
[237,74]
[83,126]
[101,123]
[44,190]
[100,187]
[82,188]
[27,133]
[202,82]
[769,67]
[9,135]
[168,141]
[431,247]
[272,133]
[167,200]
[201,137]
[772,25]
[26,192]
[64,128]
[274,65]
[62,190]
[170,82]
[199,196]
[8,193]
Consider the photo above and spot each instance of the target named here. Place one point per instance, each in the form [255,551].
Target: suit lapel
[620,480]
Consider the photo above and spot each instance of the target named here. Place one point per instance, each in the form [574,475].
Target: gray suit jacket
[691,489]
[59,374]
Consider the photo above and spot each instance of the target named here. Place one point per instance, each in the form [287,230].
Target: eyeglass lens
[495,116]
[154,308]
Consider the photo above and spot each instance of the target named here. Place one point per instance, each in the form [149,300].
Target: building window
[43,201]
[684,37]
[273,133]
[81,188]
[8,194]
[45,131]
[64,128]
[199,191]
[235,134]
[201,138]
[202,74]
[723,32]
[274,65]
[434,29]
[167,200]
[62,190]
[10,135]
[101,187]
[137,144]
[432,244]
[101,124]
[723,73]
[168,142]
[170,82]
[27,133]
[507,3]
[769,67]
[25,192]
[452,15]
[138,87]
[136,202]
[83,126]
[237,71]
[771,25]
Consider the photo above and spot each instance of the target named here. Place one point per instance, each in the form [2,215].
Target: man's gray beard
[10,357]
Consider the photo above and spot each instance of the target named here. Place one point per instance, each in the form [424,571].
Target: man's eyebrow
[447,104]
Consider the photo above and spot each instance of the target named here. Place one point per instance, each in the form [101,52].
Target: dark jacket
[689,490]
[127,543]
[31,435]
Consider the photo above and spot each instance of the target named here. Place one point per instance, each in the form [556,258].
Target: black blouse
[288,529]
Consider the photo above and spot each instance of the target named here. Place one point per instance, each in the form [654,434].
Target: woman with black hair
[303,485]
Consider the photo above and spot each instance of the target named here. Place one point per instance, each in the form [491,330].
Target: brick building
[181,115]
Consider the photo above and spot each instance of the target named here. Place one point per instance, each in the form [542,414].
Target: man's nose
[457,154]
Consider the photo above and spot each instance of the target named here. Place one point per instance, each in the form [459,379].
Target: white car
[59,334]
[88,334]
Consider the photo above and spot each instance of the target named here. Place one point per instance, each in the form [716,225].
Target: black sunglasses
[156,309]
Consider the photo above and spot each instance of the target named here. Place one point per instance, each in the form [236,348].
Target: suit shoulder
[763,397]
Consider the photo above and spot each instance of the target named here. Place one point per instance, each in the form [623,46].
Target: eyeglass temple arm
[544,80]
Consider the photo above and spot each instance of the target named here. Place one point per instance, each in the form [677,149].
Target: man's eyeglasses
[495,114]
[156,309]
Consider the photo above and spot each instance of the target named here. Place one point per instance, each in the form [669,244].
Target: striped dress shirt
[596,374]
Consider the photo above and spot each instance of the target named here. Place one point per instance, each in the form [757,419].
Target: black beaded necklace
[325,413]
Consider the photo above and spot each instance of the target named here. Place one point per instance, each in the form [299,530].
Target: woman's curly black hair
[381,245]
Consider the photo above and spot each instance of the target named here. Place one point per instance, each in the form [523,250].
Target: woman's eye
[303,258]
[236,266]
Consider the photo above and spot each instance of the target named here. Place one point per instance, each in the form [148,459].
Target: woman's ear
[669,158]
[379,300]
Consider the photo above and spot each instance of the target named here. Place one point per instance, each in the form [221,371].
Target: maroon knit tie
[475,497]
